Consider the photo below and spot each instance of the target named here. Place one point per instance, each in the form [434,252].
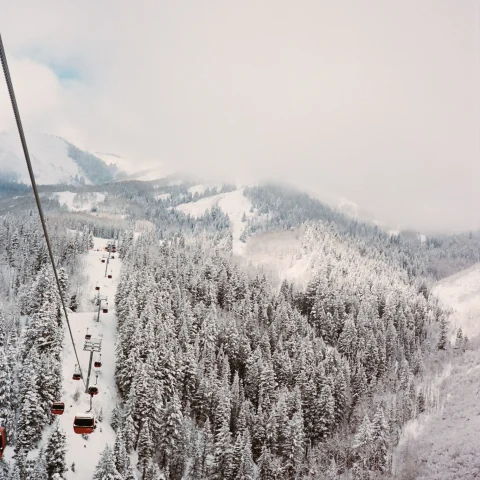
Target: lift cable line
[35,191]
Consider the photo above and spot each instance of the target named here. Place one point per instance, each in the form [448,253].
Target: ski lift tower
[91,346]
[100,299]
[108,258]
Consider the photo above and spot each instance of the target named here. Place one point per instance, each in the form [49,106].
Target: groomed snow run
[235,204]
[86,453]
[461,293]
[79,202]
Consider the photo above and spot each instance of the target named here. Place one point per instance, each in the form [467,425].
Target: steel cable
[13,100]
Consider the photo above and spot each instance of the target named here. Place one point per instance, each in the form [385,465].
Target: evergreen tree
[32,417]
[120,454]
[105,469]
[443,340]
[380,440]
[145,447]
[55,451]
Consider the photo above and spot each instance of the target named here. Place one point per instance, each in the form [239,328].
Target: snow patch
[200,189]
[281,255]
[162,196]
[461,293]
[79,202]
[235,204]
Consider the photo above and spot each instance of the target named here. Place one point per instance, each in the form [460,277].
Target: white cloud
[375,101]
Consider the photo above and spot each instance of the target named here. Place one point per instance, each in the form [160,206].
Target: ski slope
[461,293]
[235,204]
[83,202]
[281,256]
[86,453]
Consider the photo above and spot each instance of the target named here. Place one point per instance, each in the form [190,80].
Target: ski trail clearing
[86,453]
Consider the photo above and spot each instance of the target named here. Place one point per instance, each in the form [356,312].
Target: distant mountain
[54,161]
[130,168]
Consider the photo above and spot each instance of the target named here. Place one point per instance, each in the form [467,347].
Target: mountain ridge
[54,161]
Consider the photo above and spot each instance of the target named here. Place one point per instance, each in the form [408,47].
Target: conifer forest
[221,369]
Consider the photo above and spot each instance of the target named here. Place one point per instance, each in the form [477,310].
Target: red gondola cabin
[97,364]
[76,376]
[105,310]
[3,440]
[93,391]
[97,287]
[57,408]
[84,423]
[103,260]
[88,336]
[109,275]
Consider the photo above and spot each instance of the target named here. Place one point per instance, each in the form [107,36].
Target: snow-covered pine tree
[105,469]
[56,450]
[443,339]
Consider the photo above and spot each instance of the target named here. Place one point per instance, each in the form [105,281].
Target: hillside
[443,444]
[54,161]
[260,334]
[461,293]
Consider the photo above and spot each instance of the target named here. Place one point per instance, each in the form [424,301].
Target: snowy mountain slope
[49,155]
[445,442]
[54,161]
[79,202]
[85,453]
[234,204]
[281,255]
[461,293]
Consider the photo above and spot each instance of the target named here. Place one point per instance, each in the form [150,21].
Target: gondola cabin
[76,376]
[105,309]
[88,336]
[84,423]
[97,363]
[103,260]
[3,440]
[93,391]
[97,287]
[112,257]
[109,275]
[57,408]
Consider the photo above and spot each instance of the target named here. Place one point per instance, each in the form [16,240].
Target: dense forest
[222,372]
[221,375]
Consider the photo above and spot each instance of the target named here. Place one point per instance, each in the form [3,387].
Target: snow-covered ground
[200,188]
[49,155]
[235,204]
[86,453]
[162,196]
[79,202]
[197,189]
[461,293]
[280,254]
[444,443]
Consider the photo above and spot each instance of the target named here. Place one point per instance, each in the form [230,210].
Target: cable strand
[16,113]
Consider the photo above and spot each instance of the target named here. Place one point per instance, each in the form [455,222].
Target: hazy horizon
[377,103]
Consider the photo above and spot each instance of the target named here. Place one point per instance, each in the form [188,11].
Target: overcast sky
[377,101]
